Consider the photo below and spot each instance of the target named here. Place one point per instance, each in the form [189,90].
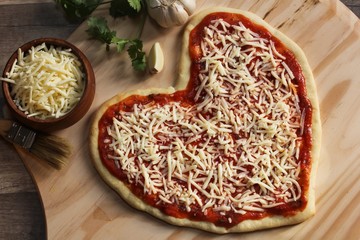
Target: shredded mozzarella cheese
[47,82]
[237,149]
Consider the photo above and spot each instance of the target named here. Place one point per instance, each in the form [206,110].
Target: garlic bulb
[168,13]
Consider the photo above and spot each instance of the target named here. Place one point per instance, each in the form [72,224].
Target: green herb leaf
[139,63]
[138,57]
[78,9]
[120,43]
[135,4]
[121,8]
[99,30]
[135,47]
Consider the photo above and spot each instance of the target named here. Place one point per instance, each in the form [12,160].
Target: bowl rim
[88,92]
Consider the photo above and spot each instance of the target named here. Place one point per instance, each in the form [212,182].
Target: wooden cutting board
[78,205]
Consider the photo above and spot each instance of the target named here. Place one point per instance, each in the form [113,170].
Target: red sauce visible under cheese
[187,97]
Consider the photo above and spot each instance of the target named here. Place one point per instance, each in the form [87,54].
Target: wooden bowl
[74,115]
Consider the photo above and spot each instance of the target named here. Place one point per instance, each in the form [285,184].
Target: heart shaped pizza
[233,147]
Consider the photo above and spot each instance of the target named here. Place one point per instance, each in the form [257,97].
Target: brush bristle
[53,149]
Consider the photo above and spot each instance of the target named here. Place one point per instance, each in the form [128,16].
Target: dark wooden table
[21,214]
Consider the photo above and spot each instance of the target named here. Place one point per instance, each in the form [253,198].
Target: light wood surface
[78,205]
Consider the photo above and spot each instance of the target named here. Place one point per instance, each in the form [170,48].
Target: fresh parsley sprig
[121,8]
[80,9]
[99,29]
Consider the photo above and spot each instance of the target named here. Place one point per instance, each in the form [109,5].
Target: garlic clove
[189,6]
[153,3]
[156,59]
[178,14]
[166,18]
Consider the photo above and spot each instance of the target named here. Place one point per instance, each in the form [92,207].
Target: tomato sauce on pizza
[234,145]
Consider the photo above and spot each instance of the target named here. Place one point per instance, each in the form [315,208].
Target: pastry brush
[53,149]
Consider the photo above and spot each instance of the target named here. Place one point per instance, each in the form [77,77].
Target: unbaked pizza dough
[268,221]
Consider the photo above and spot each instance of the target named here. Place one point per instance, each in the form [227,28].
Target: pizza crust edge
[184,66]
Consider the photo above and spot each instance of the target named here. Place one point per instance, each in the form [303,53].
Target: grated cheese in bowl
[46,82]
